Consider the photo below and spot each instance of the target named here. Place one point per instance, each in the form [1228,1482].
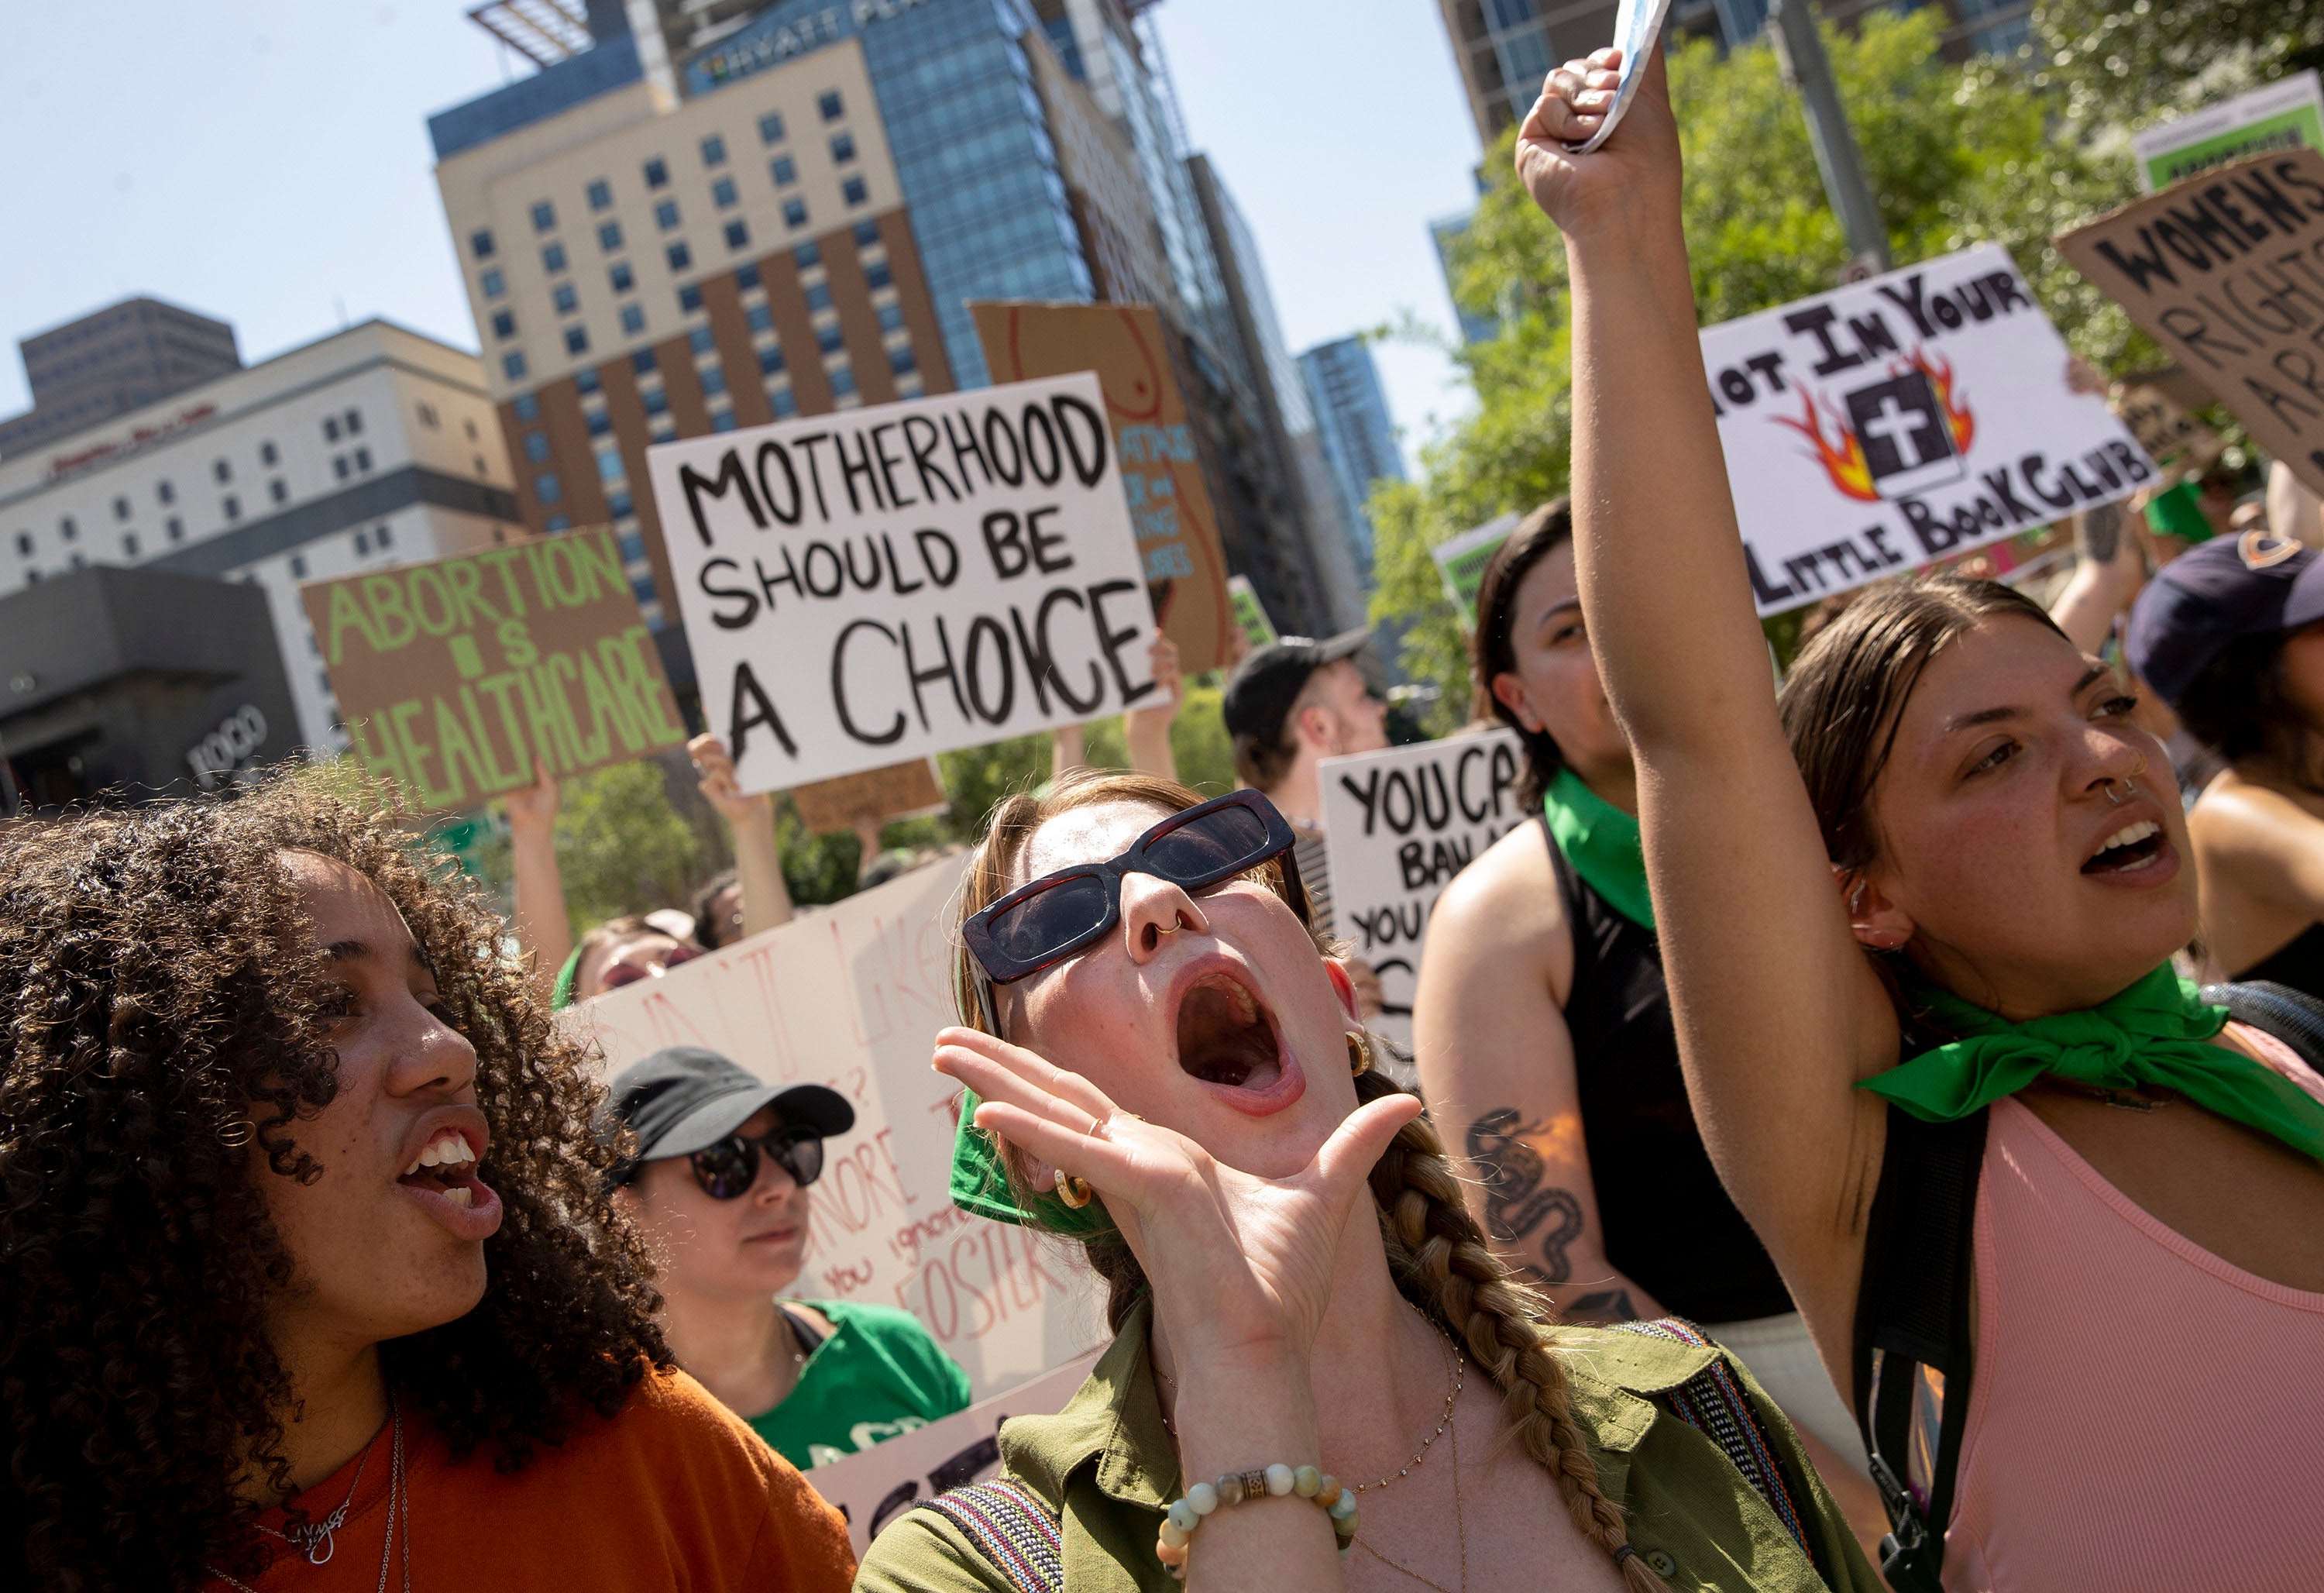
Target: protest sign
[885,583]
[454,676]
[2286,115]
[1460,563]
[1925,412]
[1397,826]
[899,791]
[1178,545]
[851,998]
[2221,272]
[2166,431]
[1250,613]
[873,1486]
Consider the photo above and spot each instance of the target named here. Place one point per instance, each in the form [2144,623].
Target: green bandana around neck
[980,1185]
[2159,1032]
[1601,842]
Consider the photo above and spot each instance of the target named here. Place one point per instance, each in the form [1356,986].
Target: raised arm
[1778,1013]
[1146,730]
[2110,569]
[544,929]
[758,864]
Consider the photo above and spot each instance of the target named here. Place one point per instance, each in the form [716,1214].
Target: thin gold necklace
[1459,1529]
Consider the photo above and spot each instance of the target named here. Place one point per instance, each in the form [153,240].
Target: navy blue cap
[683,1099]
[1260,693]
[2218,593]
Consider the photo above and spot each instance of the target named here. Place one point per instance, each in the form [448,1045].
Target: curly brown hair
[165,998]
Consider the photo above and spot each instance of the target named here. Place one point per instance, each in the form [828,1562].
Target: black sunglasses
[1039,924]
[727,1170]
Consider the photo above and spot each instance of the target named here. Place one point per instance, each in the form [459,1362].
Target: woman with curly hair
[312,1280]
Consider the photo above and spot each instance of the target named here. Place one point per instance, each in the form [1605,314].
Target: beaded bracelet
[1235,1487]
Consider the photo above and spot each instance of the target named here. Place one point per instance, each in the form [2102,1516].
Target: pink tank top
[2151,1420]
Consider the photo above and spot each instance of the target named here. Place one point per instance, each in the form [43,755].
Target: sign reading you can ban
[1398,825]
[1896,420]
[2227,272]
[880,584]
[455,677]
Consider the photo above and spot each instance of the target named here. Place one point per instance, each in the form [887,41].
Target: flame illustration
[1842,455]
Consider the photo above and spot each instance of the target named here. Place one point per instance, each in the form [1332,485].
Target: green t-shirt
[878,1375]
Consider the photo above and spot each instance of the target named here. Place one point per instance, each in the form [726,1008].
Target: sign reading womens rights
[2223,271]
[880,584]
[852,996]
[1873,429]
[453,676]
[1397,826]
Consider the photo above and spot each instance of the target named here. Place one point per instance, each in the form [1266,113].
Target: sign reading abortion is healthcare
[880,584]
[1397,826]
[1896,420]
[455,676]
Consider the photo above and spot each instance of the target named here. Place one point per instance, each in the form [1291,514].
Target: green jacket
[1109,1468]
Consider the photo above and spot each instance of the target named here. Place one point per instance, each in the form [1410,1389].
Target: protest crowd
[1697,1124]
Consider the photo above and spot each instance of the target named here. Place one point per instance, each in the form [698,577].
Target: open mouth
[1226,1036]
[447,1166]
[2134,847]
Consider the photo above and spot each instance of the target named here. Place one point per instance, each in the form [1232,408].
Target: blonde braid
[1442,1264]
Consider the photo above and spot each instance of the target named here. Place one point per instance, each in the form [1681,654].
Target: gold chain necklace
[1459,1529]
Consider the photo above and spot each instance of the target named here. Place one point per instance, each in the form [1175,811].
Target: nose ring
[2117,800]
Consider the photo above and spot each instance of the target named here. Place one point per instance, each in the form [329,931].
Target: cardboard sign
[852,998]
[2282,115]
[1922,412]
[2167,433]
[1179,546]
[874,1486]
[885,583]
[1460,563]
[1250,613]
[454,676]
[2220,271]
[899,791]
[1397,826]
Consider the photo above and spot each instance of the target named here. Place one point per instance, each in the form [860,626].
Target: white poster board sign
[1892,421]
[2284,115]
[852,996]
[1397,826]
[872,585]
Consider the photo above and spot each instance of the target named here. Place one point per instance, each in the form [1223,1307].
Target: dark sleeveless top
[1667,1220]
[2300,964]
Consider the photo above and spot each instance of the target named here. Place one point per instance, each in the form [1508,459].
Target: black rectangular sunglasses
[1041,923]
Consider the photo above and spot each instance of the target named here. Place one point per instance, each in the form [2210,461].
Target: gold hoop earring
[237,1134]
[1360,1052]
[1074,1192]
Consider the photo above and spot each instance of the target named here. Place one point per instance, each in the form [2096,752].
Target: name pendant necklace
[399,1506]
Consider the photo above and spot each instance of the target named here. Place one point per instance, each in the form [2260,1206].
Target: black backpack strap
[1913,1361]
[1012,1528]
[2292,1016]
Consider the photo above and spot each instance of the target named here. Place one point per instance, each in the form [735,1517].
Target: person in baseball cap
[2231,634]
[719,1185]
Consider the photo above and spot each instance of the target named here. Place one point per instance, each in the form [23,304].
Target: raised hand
[716,767]
[533,809]
[1634,173]
[1240,1264]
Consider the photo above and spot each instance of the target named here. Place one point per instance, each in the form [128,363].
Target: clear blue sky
[267,161]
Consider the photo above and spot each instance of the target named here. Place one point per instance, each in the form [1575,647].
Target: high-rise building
[119,358]
[368,448]
[1504,48]
[1343,386]
[1446,232]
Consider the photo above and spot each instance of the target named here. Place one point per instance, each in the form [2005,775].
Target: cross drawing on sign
[1908,442]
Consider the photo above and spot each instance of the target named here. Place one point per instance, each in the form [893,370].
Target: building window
[527,406]
[512,366]
[867,235]
[363,544]
[268,454]
[610,467]
[829,340]
[298,567]
[714,380]
[381,536]
[770,127]
[24,544]
[656,174]
[566,300]
[699,340]
[681,258]
[601,194]
[585,380]
[576,339]
[174,529]
[689,299]
[633,548]
[331,426]
[129,544]
[279,490]
[166,493]
[536,446]
[67,529]
[877,275]
[634,320]
[794,212]
[842,147]
[78,562]
[785,404]
[721,420]
[642,362]
[547,488]
[806,255]
[340,466]
[760,318]
[843,382]
[552,258]
[480,244]
[558,523]
[785,171]
[666,215]
[818,296]
[363,458]
[746,275]
[854,191]
[121,509]
[900,360]
[713,151]
[232,506]
[657,401]
[354,422]
[503,328]
[618,273]
[609,237]
[738,235]
[830,107]
[770,360]
[494,284]
[470,427]
[544,217]
[598,421]
[221,471]
[722,192]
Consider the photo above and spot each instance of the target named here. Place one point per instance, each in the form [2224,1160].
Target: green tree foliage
[1956,155]
[2149,60]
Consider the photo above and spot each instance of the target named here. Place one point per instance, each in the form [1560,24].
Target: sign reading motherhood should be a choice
[884,583]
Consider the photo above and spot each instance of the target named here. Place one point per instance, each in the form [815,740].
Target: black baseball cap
[1266,683]
[685,1098]
[2215,594]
